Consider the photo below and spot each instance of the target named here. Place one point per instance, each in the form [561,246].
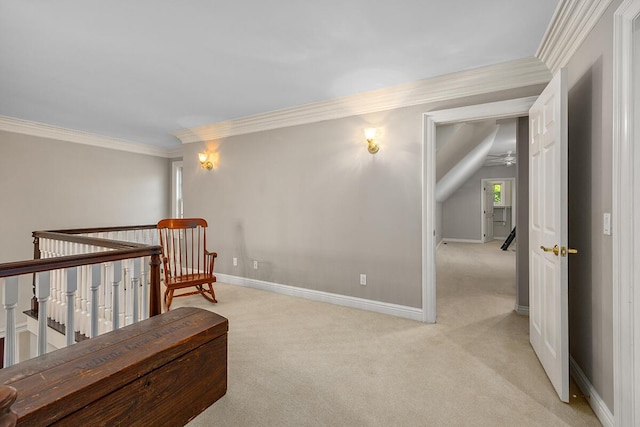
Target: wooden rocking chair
[185,259]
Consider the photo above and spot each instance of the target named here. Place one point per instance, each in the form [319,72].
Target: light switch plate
[606,224]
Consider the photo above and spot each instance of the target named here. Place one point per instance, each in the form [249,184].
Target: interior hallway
[294,362]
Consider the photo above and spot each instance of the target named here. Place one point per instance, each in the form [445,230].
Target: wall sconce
[370,134]
[205,163]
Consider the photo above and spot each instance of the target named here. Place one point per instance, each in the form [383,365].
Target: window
[498,193]
[177,206]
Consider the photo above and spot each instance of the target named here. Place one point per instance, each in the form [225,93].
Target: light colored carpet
[294,362]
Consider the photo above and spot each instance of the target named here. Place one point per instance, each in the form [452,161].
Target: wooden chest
[162,371]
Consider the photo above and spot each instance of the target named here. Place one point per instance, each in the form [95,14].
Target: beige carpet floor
[294,362]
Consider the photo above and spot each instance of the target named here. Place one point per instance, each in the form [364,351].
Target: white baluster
[72,286]
[61,309]
[82,299]
[124,292]
[136,289]
[117,277]
[42,295]
[130,291]
[108,300]
[95,303]
[10,294]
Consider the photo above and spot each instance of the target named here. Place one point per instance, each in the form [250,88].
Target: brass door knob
[564,251]
[554,249]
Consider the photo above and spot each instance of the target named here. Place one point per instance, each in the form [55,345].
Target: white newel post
[145,286]
[117,277]
[72,286]
[10,294]
[42,295]
[94,303]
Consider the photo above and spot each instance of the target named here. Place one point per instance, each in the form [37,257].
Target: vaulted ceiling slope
[139,71]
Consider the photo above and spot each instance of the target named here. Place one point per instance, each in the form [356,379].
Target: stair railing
[85,283]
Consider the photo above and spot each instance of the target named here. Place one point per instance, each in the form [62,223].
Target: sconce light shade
[370,134]
[204,162]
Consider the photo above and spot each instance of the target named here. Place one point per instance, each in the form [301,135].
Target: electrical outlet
[255,265]
[363,279]
[235,261]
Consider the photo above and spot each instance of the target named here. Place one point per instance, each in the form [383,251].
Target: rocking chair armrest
[213,256]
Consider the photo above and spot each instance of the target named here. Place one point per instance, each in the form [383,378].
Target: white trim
[502,109]
[522,310]
[625,222]
[311,294]
[55,339]
[493,78]
[26,127]
[571,23]
[588,390]
[452,240]
[19,328]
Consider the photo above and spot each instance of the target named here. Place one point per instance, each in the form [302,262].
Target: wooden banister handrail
[37,265]
[116,250]
[104,229]
[94,241]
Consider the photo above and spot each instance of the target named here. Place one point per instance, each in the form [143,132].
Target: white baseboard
[310,294]
[522,310]
[597,404]
[447,239]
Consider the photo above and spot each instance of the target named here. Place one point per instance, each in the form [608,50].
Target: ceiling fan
[507,159]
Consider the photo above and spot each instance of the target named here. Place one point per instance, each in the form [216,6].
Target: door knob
[564,251]
[554,249]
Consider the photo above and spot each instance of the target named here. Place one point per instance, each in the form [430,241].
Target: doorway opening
[432,212]
[498,209]
[476,175]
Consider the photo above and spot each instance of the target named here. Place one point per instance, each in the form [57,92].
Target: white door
[488,212]
[548,263]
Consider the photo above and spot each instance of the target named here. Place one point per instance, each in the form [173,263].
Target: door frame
[501,109]
[625,221]
[483,211]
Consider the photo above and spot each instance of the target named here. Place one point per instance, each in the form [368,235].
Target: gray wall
[48,184]
[522,212]
[461,217]
[590,155]
[316,209]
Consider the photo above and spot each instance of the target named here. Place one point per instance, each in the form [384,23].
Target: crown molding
[26,127]
[572,22]
[493,78]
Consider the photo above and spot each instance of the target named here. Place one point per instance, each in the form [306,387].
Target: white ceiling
[139,70]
